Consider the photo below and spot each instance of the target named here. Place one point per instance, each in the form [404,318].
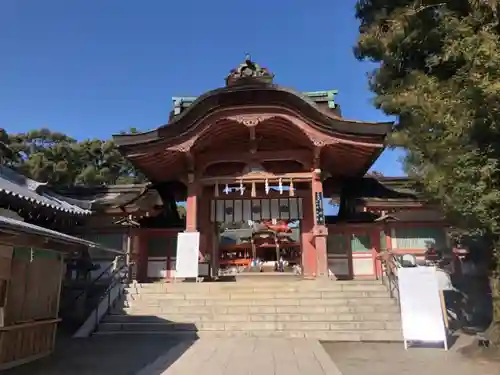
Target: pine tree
[439,73]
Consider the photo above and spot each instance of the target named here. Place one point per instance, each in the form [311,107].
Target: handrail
[119,276]
[389,265]
[102,305]
[91,284]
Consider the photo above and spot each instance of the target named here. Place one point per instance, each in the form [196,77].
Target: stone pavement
[106,355]
[392,358]
[245,356]
[159,355]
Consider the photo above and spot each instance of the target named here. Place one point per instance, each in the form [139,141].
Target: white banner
[421,309]
[188,249]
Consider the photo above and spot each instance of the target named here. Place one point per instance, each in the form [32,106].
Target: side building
[33,252]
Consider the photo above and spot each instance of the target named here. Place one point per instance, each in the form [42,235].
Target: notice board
[188,249]
[421,309]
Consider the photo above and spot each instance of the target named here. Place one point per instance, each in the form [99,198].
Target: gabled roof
[413,216]
[127,198]
[255,94]
[369,188]
[309,120]
[21,187]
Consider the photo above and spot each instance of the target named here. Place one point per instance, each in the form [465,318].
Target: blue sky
[91,68]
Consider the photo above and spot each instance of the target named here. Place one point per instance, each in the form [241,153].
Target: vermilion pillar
[204,224]
[306,229]
[192,205]
[320,231]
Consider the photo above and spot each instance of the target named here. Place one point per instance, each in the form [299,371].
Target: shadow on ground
[392,358]
[105,355]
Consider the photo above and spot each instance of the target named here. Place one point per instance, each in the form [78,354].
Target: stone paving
[109,355]
[392,358]
[158,355]
[246,356]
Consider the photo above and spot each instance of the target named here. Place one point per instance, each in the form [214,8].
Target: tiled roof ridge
[17,185]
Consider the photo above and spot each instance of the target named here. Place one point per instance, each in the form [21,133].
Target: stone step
[273,317]
[338,335]
[254,295]
[256,301]
[390,307]
[359,310]
[251,326]
[203,288]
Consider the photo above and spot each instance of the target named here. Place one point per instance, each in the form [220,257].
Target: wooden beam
[258,177]
[206,159]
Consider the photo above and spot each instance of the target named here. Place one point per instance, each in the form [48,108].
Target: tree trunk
[493,332]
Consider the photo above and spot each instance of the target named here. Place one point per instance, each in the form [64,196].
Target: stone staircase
[327,310]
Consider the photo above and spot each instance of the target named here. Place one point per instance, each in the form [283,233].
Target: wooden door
[160,248]
[339,255]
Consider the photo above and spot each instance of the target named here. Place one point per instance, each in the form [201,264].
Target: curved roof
[256,94]
[35,192]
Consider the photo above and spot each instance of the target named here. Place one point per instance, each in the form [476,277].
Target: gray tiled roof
[7,223]
[19,186]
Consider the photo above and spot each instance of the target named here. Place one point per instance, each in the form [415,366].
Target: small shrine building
[254,152]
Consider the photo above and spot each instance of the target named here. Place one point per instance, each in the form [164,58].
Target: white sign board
[188,248]
[421,308]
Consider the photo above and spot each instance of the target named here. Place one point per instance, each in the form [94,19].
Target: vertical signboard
[320,213]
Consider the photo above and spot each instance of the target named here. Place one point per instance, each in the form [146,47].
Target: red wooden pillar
[191,205]
[320,229]
[205,226]
[307,227]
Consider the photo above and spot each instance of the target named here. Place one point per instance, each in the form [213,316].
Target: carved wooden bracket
[249,120]
[322,142]
[184,146]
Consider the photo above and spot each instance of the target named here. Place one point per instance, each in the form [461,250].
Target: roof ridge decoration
[249,72]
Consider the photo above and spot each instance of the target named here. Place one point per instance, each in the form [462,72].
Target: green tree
[63,161]
[181,210]
[439,73]
[7,156]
